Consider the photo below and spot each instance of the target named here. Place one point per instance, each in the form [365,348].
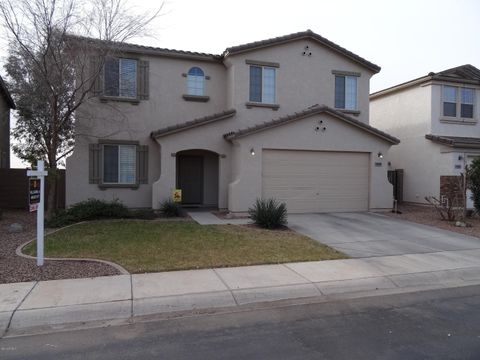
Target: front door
[190,179]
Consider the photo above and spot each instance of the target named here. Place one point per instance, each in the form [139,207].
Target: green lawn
[146,246]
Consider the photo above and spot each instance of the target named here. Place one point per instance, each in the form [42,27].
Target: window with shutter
[122,164]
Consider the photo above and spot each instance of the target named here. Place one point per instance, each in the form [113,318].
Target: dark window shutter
[95,163]
[142,164]
[97,74]
[143,80]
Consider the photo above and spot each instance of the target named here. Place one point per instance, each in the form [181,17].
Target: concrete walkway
[27,307]
[207,218]
[362,235]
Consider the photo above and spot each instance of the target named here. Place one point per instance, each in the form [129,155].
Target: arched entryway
[197,177]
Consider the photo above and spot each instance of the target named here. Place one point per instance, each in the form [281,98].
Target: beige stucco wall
[246,186]
[125,121]
[302,81]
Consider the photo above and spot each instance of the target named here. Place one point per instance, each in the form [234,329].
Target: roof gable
[465,74]
[314,110]
[309,34]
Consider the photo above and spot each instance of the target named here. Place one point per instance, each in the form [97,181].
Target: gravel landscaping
[427,215]
[16,269]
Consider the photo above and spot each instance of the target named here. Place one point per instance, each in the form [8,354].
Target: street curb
[87,316]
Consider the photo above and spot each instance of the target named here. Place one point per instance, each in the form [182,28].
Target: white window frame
[458,104]
[274,88]
[120,96]
[119,163]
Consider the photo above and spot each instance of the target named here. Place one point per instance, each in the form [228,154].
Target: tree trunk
[52,180]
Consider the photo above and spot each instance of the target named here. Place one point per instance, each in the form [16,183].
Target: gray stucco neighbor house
[6,103]
[437,118]
[286,118]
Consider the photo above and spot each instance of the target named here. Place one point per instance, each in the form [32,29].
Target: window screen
[449,101]
[121,77]
[467,100]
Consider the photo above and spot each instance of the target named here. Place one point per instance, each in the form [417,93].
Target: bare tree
[50,68]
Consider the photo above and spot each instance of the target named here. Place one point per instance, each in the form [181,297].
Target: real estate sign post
[37,201]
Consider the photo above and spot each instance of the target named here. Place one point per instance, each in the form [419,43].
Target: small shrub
[142,214]
[268,213]
[170,208]
[92,209]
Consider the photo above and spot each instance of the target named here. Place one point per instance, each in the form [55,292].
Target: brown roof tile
[309,34]
[193,123]
[455,141]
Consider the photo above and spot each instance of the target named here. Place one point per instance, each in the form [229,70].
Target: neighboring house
[436,117]
[284,118]
[6,103]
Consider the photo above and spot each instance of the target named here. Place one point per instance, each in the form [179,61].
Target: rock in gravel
[15,228]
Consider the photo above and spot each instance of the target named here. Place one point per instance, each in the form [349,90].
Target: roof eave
[311,112]
[299,36]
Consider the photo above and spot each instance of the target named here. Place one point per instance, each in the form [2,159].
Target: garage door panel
[316,181]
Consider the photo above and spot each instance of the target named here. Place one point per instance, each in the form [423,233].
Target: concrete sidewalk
[26,306]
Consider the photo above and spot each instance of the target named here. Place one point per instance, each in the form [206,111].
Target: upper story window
[120,77]
[119,164]
[195,82]
[458,102]
[262,84]
[346,92]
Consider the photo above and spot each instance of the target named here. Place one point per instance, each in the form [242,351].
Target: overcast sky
[407,38]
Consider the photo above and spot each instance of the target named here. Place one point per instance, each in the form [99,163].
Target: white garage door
[316,181]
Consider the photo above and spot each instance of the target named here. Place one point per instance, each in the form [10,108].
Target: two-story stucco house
[286,118]
[436,117]
[6,103]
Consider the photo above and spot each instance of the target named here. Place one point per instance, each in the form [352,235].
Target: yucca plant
[269,213]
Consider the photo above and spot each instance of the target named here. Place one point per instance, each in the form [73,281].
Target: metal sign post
[40,173]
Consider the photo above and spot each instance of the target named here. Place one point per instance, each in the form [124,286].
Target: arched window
[195,81]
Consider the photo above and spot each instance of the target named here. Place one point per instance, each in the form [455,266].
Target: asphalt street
[439,324]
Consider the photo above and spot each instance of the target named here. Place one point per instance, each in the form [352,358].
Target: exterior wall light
[460,157]
[380,155]
[252,151]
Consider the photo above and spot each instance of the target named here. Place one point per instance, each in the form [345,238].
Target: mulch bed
[14,268]
[427,215]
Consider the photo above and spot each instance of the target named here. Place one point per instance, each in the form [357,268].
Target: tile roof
[309,34]
[6,94]
[455,141]
[314,110]
[143,49]
[464,72]
[193,123]
[461,74]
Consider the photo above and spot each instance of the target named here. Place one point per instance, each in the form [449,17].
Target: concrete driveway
[362,235]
